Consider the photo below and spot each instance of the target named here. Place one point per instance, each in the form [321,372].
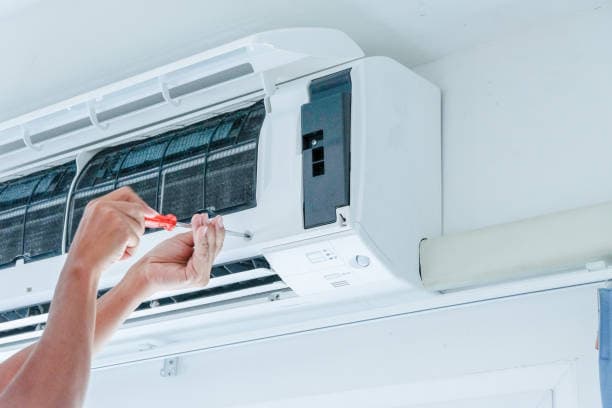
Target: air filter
[207,165]
[32,210]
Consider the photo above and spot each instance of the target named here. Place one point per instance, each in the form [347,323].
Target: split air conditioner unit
[330,159]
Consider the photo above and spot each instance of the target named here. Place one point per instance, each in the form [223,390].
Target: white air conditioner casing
[395,168]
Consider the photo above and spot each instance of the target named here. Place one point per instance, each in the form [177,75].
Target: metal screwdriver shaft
[227,231]
[169,222]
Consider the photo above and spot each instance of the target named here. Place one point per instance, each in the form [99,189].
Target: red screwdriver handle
[167,222]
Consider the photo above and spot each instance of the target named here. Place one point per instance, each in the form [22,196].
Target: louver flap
[231,284]
[254,64]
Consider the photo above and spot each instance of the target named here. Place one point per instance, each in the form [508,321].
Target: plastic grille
[12,238]
[252,126]
[17,194]
[145,184]
[79,202]
[45,217]
[183,188]
[211,164]
[143,158]
[22,313]
[217,290]
[190,142]
[235,267]
[32,212]
[230,179]
[101,169]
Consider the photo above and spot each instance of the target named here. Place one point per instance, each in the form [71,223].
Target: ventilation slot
[32,212]
[230,282]
[208,165]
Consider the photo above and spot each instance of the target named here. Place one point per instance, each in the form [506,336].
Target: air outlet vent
[232,281]
[32,212]
[208,165]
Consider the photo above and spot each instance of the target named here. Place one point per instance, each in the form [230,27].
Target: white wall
[527,130]
[527,123]
[412,359]
[52,50]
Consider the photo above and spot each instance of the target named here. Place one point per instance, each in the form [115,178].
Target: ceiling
[52,50]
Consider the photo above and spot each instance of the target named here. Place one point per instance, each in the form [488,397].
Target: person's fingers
[200,263]
[129,251]
[132,211]
[185,238]
[116,215]
[134,231]
[129,218]
[220,234]
[201,224]
[196,222]
[211,238]
[121,194]
[127,194]
[132,242]
[178,249]
[199,229]
[205,218]
[137,226]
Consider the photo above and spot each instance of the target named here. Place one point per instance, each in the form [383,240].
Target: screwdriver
[169,222]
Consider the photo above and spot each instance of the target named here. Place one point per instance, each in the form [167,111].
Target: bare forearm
[10,367]
[116,306]
[63,355]
[111,311]
[57,369]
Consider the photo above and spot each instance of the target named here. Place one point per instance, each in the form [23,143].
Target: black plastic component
[239,266]
[210,164]
[326,140]
[32,211]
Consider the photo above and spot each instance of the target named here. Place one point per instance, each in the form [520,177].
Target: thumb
[185,238]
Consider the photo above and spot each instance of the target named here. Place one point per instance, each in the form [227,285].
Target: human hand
[184,260]
[110,230]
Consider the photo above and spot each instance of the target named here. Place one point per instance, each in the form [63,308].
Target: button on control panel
[361,261]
